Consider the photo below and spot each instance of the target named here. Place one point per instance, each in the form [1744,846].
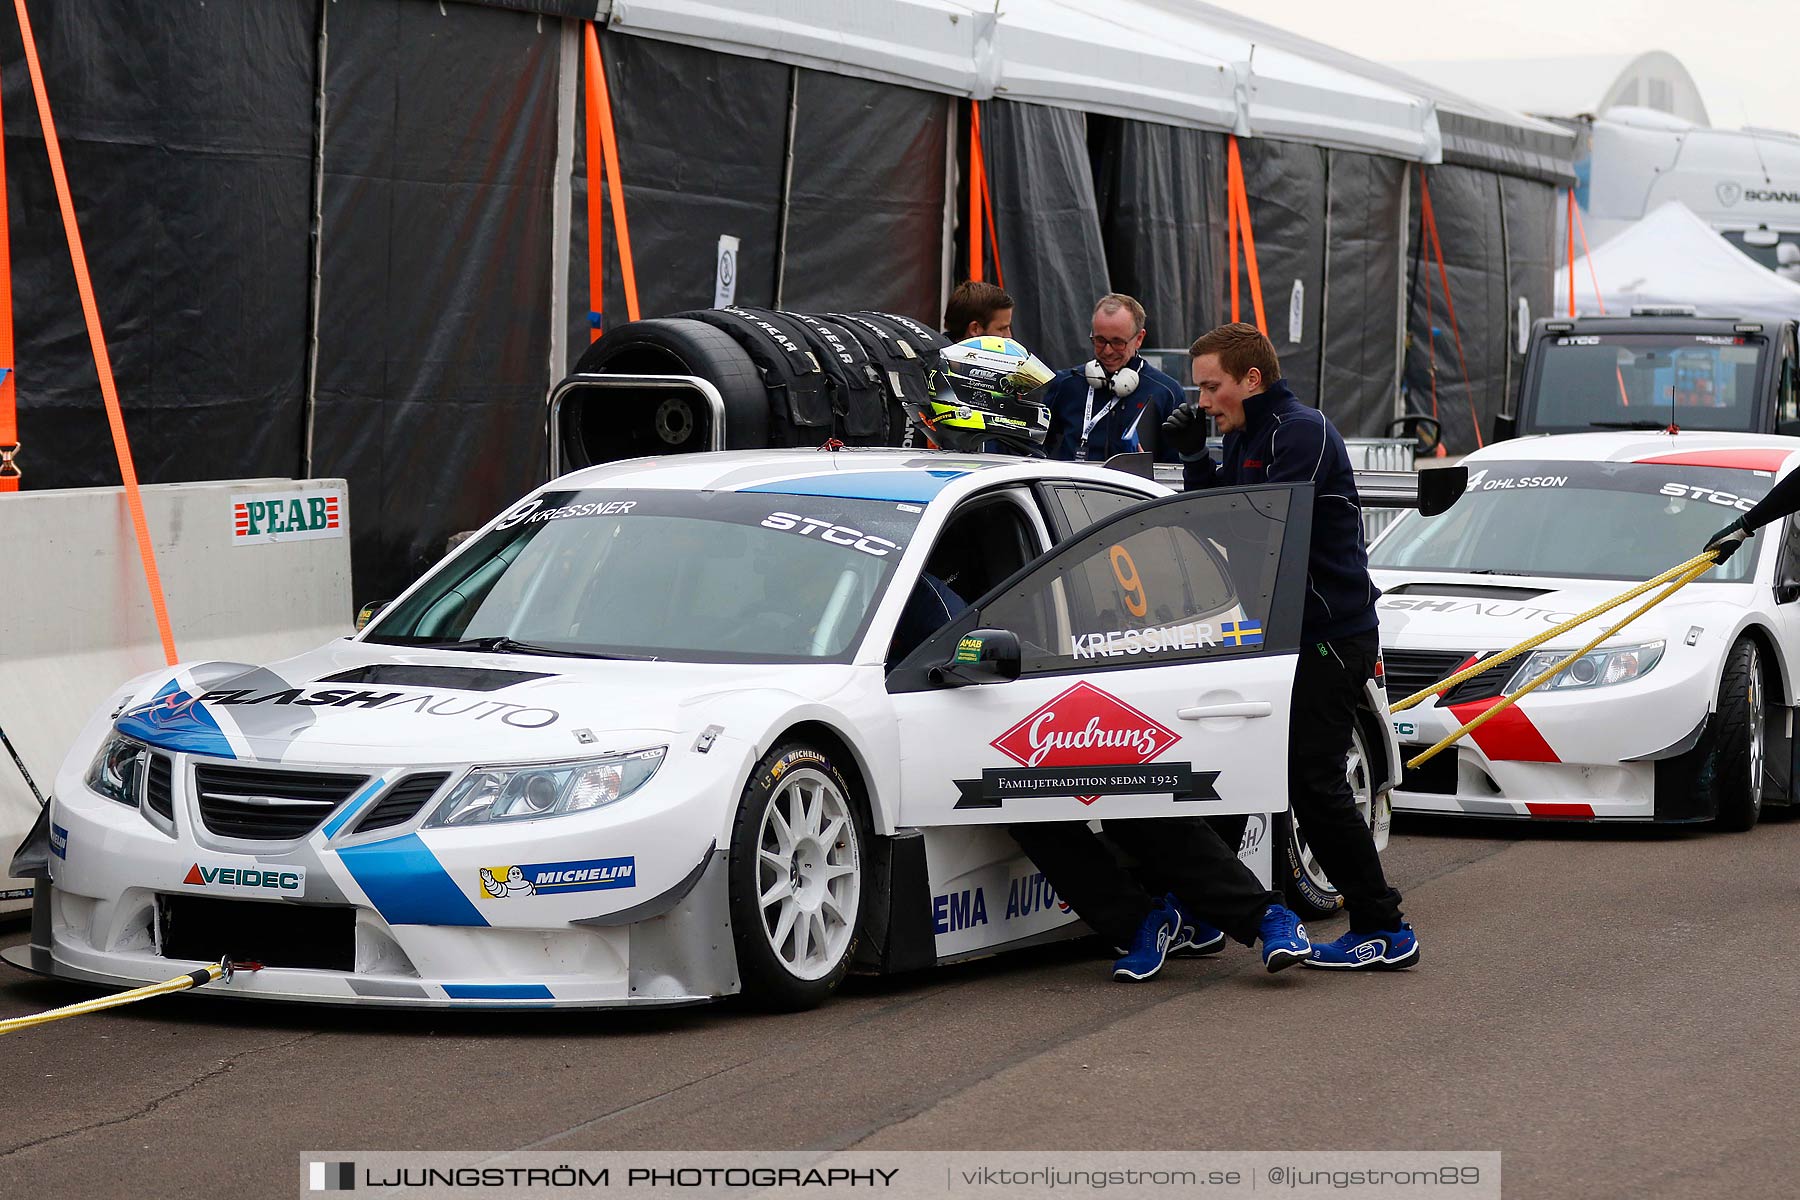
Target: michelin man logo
[514,883]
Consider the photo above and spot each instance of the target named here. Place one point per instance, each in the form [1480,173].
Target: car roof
[1740,451]
[915,476]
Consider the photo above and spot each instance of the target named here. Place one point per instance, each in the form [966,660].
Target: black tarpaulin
[433,344]
[1048,224]
[702,137]
[1286,186]
[1161,195]
[1466,203]
[1507,147]
[1362,292]
[1529,210]
[866,205]
[188,146]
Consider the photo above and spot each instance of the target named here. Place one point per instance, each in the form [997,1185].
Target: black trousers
[1328,682]
[1183,855]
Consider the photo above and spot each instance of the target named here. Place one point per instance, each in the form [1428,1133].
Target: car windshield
[702,577]
[1579,520]
[1646,380]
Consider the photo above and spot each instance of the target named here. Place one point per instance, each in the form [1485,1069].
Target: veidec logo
[1085,727]
[250,881]
[286,517]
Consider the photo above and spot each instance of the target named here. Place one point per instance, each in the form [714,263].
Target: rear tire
[797,874]
[1308,889]
[1730,758]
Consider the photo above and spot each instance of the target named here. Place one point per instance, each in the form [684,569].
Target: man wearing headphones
[1116,402]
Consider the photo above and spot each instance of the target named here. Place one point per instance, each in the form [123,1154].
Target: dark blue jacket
[1113,433]
[1284,441]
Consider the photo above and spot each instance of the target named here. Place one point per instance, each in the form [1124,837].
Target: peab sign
[263,517]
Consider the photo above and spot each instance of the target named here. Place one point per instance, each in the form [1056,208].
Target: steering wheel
[1427,432]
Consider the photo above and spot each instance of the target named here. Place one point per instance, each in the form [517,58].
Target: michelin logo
[543,879]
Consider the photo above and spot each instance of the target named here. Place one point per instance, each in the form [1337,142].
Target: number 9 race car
[1685,715]
[671,729]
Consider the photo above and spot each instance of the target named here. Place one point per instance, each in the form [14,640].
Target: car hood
[1440,611]
[362,703]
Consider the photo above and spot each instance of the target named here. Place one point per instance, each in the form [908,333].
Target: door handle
[1247,708]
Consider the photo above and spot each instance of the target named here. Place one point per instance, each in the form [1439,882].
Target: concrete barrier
[252,570]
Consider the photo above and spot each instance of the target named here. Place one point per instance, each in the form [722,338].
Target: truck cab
[1656,369]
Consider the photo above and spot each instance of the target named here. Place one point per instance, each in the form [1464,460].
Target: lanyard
[1089,419]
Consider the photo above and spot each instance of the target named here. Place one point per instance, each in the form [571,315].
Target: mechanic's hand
[1727,540]
[1186,430]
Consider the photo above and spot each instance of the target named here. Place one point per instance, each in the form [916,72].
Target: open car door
[1141,668]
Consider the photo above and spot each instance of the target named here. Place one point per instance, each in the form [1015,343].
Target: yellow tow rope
[1676,577]
[224,968]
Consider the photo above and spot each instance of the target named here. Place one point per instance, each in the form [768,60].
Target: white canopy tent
[1171,64]
[1672,257]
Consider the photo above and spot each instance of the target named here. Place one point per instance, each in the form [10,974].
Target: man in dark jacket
[1271,437]
[1116,402]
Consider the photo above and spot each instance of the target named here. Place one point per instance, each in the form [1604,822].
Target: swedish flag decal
[1241,633]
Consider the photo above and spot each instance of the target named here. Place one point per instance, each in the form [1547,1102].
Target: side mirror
[369,612]
[1787,593]
[981,656]
[1506,426]
[1441,487]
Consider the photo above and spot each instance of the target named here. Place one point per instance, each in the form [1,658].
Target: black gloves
[1727,540]
[1186,431]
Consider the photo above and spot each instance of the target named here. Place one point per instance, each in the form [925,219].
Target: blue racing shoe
[1150,947]
[1386,950]
[1284,940]
[1192,938]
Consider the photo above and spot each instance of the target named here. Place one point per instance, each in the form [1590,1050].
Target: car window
[1176,582]
[1081,506]
[702,577]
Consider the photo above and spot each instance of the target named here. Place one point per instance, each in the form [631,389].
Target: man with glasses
[1116,402]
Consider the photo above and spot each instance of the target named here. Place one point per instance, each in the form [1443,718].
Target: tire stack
[787,379]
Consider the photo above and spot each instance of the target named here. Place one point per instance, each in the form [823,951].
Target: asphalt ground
[1615,1010]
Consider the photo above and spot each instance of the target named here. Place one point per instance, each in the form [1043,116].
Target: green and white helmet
[987,390]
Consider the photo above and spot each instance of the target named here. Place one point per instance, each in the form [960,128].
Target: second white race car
[667,730]
[1686,715]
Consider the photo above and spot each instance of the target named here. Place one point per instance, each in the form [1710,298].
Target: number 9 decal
[1125,571]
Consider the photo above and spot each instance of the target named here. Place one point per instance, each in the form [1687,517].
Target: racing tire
[1309,891]
[596,433]
[797,873]
[1730,758]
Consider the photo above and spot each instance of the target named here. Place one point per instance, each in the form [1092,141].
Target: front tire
[1309,890]
[797,874]
[1731,755]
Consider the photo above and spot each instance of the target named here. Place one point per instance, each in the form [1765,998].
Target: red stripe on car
[1584,812]
[1509,737]
[1741,460]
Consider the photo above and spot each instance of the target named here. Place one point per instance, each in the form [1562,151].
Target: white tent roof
[1673,257]
[1151,60]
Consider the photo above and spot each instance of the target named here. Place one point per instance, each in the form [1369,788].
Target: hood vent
[1466,591]
[456,679]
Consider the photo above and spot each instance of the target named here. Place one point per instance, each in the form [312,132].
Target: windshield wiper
[1658,425]
[506,645]
[1491,571]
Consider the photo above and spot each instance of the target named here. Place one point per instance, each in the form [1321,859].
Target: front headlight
[491,794]
[1599,669]
[117,772]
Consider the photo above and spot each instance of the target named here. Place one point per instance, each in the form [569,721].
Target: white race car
[670,729]
[1684,715]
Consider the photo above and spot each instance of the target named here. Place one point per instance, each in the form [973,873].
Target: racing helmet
[986,390]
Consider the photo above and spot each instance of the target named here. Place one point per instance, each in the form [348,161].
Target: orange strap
[1239,200]
[9,414]
[609,149]
[1571,252]
[596,201]
[1588,254]
[981,205]
[1437,249]
[102,363]
[1430,317]
[977,169]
